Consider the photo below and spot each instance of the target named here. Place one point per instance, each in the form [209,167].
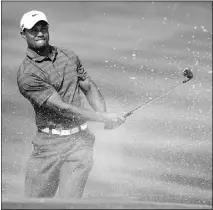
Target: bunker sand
[112,203]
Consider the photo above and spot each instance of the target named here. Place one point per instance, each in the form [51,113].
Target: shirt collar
[36,57]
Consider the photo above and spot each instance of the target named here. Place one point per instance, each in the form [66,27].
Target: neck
[46,51]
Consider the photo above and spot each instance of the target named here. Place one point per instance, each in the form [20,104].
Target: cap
[29,19]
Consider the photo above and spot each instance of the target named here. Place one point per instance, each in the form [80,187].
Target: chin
[42,46]
[41,43]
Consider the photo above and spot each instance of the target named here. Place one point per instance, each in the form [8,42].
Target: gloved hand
[112,120]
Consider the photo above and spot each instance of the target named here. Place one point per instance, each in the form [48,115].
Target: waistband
[66,132]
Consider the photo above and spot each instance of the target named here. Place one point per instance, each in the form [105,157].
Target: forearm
[70,111]
[95,98]
[54,102]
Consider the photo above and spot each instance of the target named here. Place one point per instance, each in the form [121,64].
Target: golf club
[186,73]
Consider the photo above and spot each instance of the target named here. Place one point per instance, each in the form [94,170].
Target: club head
[188,73]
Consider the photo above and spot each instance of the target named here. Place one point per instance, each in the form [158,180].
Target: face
[38,36]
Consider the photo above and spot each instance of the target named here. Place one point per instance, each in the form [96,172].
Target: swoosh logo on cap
[34,15]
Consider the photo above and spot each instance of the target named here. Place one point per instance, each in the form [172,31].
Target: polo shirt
[39,77]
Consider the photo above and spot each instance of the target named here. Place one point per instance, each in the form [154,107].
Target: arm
[42,94]
[70,111]
[89,88]
[39,92]
[93,95]
[67,110]
[97,102]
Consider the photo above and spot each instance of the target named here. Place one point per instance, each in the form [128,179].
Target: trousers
[59,163]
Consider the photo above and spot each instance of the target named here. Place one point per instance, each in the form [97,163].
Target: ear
[23,34]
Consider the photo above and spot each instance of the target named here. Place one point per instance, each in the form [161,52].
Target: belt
[65,132]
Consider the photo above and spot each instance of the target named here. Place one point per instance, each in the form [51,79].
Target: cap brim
[31,24]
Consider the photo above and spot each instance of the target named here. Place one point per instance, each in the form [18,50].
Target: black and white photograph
[106,104]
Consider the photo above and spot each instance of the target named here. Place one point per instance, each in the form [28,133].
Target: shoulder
[67,52]
[24,67]
[27,69]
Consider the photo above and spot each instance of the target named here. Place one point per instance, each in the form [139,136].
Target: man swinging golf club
[51,78]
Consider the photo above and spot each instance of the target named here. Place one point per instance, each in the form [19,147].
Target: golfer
[53,80]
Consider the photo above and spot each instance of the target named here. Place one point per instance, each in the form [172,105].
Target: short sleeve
[81,72]
[34,88]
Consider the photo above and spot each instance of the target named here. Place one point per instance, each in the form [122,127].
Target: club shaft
[141,106]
